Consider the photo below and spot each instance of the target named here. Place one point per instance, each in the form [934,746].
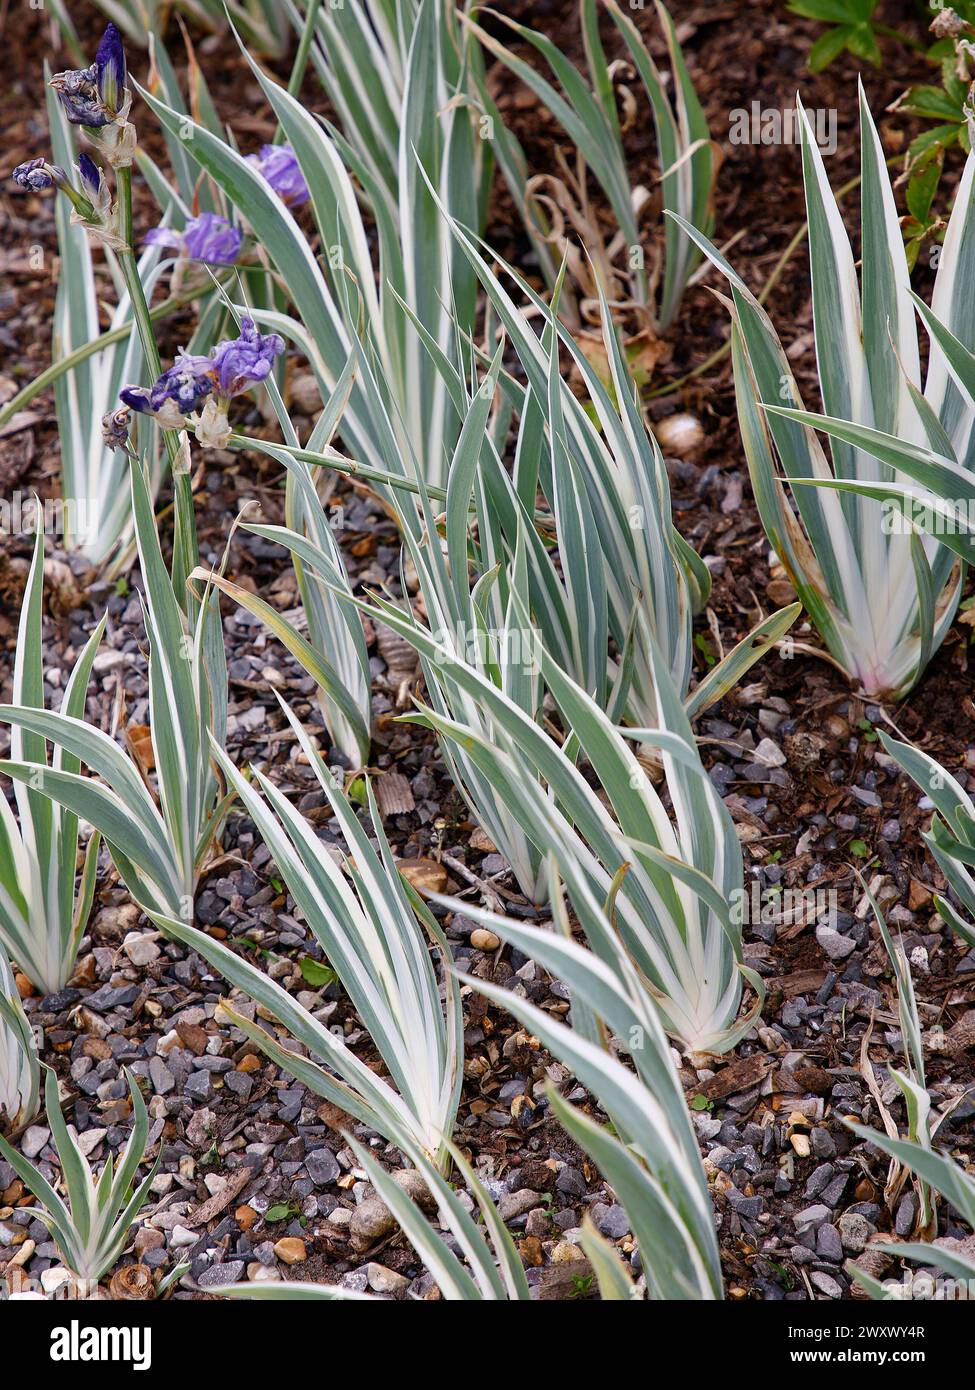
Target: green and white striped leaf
[377,938]
[20,1068]
[882,597]
[42,915]
[91,1227]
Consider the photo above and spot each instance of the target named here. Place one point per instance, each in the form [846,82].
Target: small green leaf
[859,848]
[317,974]
[701,642]
[923,183]
[700,1103]
[280,1212]
[827,47]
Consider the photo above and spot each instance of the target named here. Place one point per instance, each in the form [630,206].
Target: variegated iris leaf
[673,883]
[20,1068]
[881,596]
[159,835]
[95,511]
[587,112]
[91,1225]
[951,835]
[398,407]
[376,935]
[650,1158]
[42,912]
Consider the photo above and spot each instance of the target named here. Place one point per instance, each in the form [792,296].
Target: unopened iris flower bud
[112,73]
[91,204]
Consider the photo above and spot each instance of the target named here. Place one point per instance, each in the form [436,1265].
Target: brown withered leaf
[426,875]
[139,740]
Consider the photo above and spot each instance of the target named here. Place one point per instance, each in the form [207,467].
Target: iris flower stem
[186,555]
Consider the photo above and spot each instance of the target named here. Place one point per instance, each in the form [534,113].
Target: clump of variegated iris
[198,390]
[279,165]
[209,239]
[98,99]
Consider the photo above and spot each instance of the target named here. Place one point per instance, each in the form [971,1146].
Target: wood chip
[402,662]
[737,1076]
[394,794]
[21,421]
[214,1205]
[961,1035]
[802,982]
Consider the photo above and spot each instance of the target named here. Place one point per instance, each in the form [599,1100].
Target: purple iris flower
[192,382]
[180,390]
[90,203]
[207,238]
[37,174]
[240,363]
[95,96]
[280,167]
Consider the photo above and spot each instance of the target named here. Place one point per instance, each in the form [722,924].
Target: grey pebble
[161,1077]
[748,1207]
[197,1086]
[322,1167]
[828,1244]
[218,1275]
[810,1217]
[612,1222]
[904,1217]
